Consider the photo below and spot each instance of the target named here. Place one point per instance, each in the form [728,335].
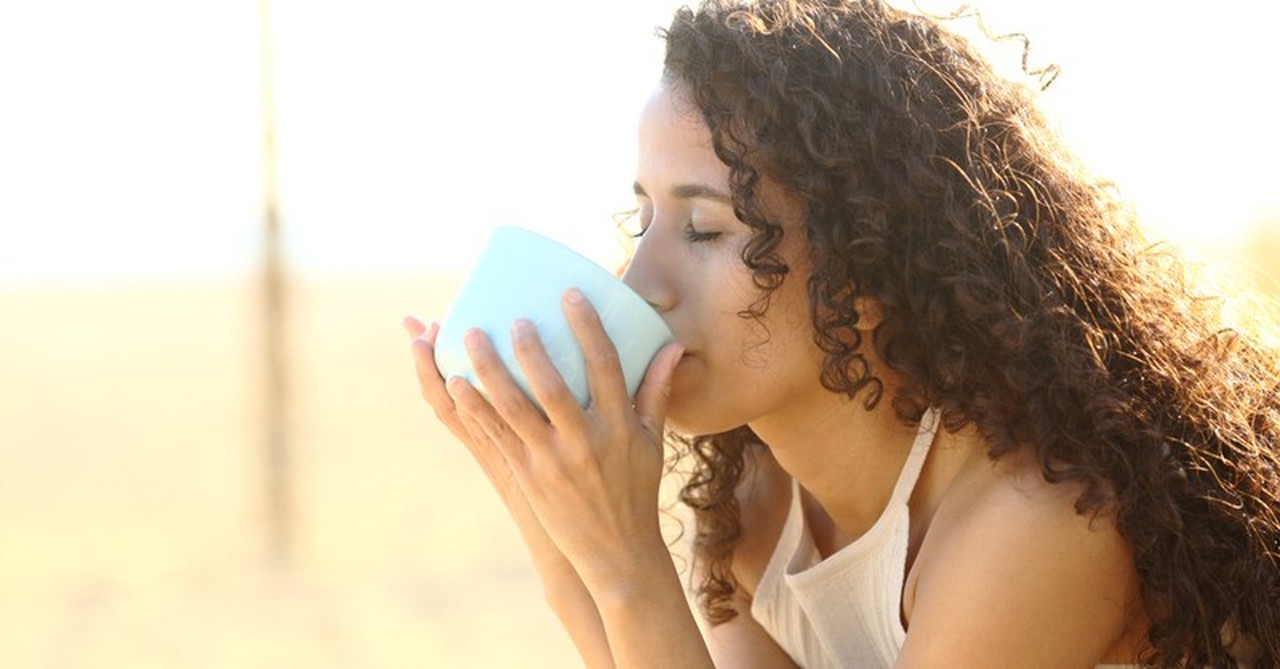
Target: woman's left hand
[590,475]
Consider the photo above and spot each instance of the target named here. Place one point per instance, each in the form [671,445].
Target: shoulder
[1009,569]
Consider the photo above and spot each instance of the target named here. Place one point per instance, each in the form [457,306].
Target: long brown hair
[1019,297]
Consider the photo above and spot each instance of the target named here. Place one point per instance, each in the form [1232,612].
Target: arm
[763,494]
[647,617]
[645,632]
[1011,576]
[742,643]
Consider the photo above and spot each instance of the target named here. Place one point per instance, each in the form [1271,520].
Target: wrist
[633,580]
[561,586]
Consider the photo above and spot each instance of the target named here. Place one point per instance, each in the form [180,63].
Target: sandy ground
[132,528]
[132,503]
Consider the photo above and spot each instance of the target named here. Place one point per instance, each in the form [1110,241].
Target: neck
[847,457]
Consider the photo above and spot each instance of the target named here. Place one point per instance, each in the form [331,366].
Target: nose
[650,275]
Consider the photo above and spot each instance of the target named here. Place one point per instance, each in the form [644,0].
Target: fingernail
[471,339]
[574,296]
[522,328]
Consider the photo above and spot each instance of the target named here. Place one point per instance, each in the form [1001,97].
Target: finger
[506,399]
[484,450]
[413,326]
[431,383]
[477,440]
[477,411]
[424,359]
[604,370]
[492,457]
[655,390]
[545,381]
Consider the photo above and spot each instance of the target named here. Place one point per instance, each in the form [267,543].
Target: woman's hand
[590,475]
[564,590]
[547,558]
[588,479]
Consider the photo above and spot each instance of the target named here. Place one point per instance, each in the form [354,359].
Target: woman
[945,407]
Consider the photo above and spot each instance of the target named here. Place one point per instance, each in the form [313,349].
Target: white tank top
[844,611]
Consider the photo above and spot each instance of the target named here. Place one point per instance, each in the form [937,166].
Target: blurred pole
[278,461]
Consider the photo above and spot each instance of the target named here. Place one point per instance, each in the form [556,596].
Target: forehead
[675,147]
[675,143]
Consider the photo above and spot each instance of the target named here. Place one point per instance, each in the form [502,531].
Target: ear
[870,313]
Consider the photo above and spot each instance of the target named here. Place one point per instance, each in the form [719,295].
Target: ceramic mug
[522,274]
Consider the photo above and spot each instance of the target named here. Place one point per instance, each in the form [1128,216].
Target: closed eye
[694,235]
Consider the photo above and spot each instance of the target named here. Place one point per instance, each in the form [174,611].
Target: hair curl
[1018,296]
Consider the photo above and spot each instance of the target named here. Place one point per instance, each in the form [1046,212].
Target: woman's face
[688,265]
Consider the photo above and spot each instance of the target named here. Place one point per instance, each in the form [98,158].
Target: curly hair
[1018,294]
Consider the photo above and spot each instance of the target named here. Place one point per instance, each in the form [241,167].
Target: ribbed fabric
[844,611]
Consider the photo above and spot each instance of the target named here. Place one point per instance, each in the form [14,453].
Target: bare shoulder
[1009,569]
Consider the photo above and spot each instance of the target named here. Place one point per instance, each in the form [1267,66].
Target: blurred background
[212,453]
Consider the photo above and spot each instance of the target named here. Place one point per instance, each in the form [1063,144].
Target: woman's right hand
[562,586]
[477,441]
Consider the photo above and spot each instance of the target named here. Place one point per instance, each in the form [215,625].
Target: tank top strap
[915,459]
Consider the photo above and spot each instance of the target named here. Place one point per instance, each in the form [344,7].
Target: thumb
[655,390]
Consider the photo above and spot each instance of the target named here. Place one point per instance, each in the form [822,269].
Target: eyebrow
[691,191]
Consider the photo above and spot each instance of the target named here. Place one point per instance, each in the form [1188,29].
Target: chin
[699,406]
[680,424]
[693,422]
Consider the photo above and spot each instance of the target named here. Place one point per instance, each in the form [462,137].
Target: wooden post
[279,506]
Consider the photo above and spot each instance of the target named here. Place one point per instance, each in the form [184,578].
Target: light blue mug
[522,274]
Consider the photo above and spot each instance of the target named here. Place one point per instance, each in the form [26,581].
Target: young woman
[944,405]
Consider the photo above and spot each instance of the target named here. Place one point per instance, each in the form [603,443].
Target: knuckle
[617,432]
[578,459]
[491,429]
[607,355]
[558,394]
[440,408]
[482,364]
[432,390]
[508,404]
[445,416]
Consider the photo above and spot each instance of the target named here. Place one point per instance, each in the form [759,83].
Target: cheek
[793,311]
[726,292]
[693,407]
[732,285]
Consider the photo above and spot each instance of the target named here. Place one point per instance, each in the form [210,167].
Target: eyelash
[690,234]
